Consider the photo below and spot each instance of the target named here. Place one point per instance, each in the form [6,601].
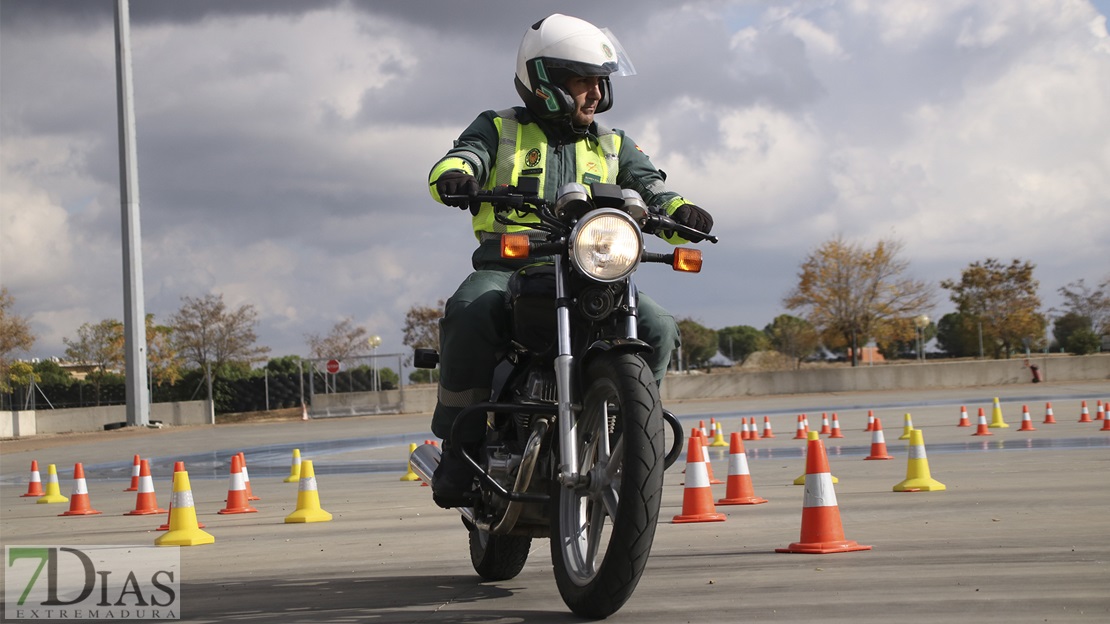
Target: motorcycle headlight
[606,245]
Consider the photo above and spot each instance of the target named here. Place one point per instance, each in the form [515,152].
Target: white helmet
[555,48]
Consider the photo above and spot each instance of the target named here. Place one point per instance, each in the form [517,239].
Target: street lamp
[920,322]
[375,342]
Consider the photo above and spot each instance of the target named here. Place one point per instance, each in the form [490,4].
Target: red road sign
[333,366]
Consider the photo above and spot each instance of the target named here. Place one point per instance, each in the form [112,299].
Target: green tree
[51,373]
[15,336]
[1083,342]
[1093,305]
[1003,300]
[99,346]
[793,337]
[1065,326]
[739,341]
[164,364]
[699,343]
[957,335]
[207,332]
[284,365]
[853,292]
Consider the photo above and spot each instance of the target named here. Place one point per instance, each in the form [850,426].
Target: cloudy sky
[284,145]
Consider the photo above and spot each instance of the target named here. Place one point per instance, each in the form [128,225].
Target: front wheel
[601,533]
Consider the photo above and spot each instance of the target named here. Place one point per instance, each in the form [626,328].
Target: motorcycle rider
[563,73]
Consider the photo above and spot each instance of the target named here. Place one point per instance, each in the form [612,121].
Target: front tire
[601,533]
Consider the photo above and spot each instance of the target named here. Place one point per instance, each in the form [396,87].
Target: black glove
[458,183]
[693,217]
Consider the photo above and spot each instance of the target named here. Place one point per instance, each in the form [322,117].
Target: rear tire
[601,534]
[498,557]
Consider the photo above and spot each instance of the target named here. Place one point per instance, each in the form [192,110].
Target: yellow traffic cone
[996,417]
[410,475]
[801,480]
[918,478]
[53,492]
[295,468]
[308,499]
[907,427]
[718,436]
[184,529]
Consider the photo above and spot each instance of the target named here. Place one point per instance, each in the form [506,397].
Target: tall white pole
[134,312]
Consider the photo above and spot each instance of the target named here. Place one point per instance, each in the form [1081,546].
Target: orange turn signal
[688,260]
[514,245]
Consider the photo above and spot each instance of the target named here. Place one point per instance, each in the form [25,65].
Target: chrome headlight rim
[579,249]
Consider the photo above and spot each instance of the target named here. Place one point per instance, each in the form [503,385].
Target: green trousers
[474,332]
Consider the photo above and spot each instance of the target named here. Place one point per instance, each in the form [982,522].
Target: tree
[793,337]
[1093,305]
[957,335]
[699,343]
[206,333]
[50,373]
[344,339]
[852,292]
[99,346]
[285,365]
[164,364]
[1083,342]
[15,336]
[740,341]
[1067,325]
[1003,301]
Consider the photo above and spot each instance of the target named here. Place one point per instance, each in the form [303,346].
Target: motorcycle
[575,438]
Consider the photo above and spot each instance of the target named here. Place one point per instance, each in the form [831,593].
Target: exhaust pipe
[425,460]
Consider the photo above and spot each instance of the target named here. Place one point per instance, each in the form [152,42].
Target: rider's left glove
[460,184]
[694,217]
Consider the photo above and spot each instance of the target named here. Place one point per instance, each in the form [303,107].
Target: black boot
[453,481]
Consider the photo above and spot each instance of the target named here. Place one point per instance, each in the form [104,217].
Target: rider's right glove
[457,183]
[694,217]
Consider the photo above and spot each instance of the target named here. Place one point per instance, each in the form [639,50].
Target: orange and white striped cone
[34,485]
[709,464]
[805,424]
[745,431]
[247,477]
[178,466]
[982,429]
[53,490]
[704,432]
[135,475]
[907,427]
[801,480]
[718,436]
[918,477]
[294,468]
[964,422]
[237,501]
[1106,424]
[79,503]
[697,496]
[1049,417]
[767,431]
[822,531]
[739,490]
[1026,420]
[1099,411]
[825,430]
[308,498]
[184,530]
[835,433]
[146,502]
[878,442]
[870,421]
[800,430]
[1084,414]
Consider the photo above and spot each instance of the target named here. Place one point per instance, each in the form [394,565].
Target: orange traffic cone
[146,502]
[870,421]
[1099,411]
[878,442]
[767,432]
[1106,424]
[697,497]
[237,501]
[701,427]
[964,422]
[982,429]
[835,433]
[708,463]
[745,431]
[1049,418]
[825,430]
[1084,415]
[79,504]
[184,530]
[304,411]
[247,477]
[53,490]
[178,466]
[739,490]
[1026,420]
[34,486]
[135,469]
[822,531]
[800,430]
